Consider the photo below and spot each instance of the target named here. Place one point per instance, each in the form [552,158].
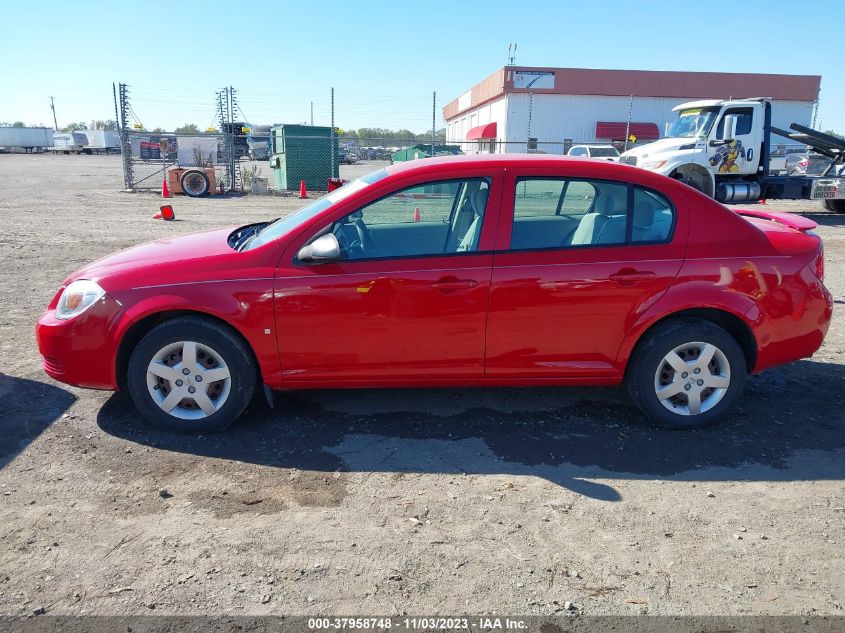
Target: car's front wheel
[687,373]
[191,375]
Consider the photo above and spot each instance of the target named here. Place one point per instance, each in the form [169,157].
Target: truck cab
[710,140]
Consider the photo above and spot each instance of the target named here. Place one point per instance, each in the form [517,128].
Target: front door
[582,257]
[741,142]
[407,301]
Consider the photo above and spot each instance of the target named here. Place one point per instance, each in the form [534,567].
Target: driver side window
[435,218]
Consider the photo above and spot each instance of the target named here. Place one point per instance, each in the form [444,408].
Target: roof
[626,172]
[637,83]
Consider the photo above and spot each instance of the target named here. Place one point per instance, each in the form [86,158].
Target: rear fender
[685,296]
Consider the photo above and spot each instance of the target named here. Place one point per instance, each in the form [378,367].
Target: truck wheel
[691,183]
[686,373]
[194,183]
[837,206]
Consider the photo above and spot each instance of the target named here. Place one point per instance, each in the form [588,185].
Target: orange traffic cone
[165,213]
[302,192]
[417,217]
[165,190]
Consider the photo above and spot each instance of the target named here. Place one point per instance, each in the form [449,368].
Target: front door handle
[628,276]
[453,283]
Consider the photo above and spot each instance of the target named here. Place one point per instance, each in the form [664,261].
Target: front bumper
[81,351]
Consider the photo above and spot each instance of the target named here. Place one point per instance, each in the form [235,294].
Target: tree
[98,124]
[188,128]
[157,130]
[18,124]
[74,127]
[832,133]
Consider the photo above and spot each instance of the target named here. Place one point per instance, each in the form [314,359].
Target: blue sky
[384,58]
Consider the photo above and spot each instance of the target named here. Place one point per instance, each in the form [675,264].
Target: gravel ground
[428,501]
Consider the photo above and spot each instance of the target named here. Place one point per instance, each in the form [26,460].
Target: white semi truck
[724,147]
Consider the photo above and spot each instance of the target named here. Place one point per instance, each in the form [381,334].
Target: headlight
[654,164]
[77,298]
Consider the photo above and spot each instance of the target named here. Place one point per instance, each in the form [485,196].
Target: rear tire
[837,206]
[194,183]
[191,375]
[686,373]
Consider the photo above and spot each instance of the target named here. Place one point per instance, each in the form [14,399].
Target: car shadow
[569,436]
[27,407]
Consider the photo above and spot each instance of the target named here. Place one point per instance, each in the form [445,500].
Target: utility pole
[312,113]
[433,115]
[53,108]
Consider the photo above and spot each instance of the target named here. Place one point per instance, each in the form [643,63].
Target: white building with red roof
[518,108]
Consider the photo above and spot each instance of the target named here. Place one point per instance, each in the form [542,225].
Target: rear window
[604,151]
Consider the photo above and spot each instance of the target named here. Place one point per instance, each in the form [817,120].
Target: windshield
[691,123]
[287,223]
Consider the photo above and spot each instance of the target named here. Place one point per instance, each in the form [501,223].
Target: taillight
[819,267]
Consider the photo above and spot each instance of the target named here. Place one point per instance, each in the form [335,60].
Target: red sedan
[488,271]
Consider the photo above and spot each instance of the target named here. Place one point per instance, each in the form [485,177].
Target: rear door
[407,302]
[577,259]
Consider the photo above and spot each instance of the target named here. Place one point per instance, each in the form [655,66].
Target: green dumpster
[304,152]
[424,151]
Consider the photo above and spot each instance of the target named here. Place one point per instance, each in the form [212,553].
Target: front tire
[191,375]
[686,373]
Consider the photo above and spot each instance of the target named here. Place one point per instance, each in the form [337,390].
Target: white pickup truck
[723,148]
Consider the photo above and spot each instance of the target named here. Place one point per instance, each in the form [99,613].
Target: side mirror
[719,143]
[324,249]
[731,121]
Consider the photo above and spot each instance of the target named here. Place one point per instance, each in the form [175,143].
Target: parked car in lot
[788,161]
[469,270]
[605,152]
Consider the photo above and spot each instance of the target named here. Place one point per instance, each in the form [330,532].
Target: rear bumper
[794,324]
[80,351]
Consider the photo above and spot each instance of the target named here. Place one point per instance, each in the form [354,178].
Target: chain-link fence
[233,155]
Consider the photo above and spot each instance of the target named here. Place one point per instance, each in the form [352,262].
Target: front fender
[244,305]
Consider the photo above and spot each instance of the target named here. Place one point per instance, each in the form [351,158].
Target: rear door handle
[454,284]
[630,276]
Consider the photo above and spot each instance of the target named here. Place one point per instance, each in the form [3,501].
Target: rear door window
[560,212]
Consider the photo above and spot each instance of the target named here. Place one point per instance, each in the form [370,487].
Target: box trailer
[28,139]
[101,141]
[69,143]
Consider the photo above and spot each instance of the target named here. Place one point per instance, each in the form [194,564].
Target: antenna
[511,54]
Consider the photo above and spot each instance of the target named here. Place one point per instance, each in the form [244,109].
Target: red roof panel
[615,130]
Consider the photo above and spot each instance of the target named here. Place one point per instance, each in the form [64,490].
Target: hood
[166,256]
[661,146]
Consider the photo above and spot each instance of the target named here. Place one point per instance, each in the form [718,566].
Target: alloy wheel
[188,380]
[692,378]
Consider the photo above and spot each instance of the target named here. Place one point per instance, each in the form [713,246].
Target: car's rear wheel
[191,375]
[687,373]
